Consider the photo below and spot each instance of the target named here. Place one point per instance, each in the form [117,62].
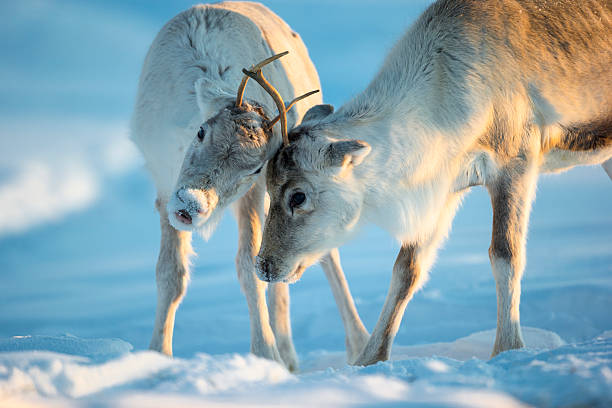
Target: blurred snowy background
[79,234]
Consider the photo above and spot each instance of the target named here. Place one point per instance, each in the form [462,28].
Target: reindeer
[487,93]
[206,147]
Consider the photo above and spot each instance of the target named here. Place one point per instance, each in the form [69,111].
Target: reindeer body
[476,93]
[474,85]
[188,81]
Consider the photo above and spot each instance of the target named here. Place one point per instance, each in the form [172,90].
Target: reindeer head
[227,154]
[315,203]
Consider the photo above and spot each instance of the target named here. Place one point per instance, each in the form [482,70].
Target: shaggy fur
[477,92]
[205,153]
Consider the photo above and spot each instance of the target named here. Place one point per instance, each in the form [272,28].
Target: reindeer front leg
[405,281]
[250,214]
[356,334]
[409,273]
[172,275]
[511,196]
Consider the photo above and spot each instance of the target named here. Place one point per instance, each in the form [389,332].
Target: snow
[581,374]
[79,239]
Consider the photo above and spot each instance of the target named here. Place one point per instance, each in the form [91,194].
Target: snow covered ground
[79,240]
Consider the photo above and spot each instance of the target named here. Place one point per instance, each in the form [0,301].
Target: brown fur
[589,136]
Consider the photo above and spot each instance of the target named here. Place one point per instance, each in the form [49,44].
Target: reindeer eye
[257,171]
[201,134]
[296,199]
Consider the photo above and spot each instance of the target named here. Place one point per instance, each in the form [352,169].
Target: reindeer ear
[207,90]
[346,152]
[318,112]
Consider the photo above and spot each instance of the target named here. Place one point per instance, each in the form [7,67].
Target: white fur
[454,105]
[191,71]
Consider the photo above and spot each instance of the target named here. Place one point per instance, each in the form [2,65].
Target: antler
[278,100]
[255,68]
[255,73]
[289,106]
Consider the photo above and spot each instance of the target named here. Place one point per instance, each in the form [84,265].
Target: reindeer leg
[172,275]
[405,281]
[250,213]
[409,274]
[511,196]
[356,334]
[278,305]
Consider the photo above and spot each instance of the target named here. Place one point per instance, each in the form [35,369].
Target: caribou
[476,93]
[206,147]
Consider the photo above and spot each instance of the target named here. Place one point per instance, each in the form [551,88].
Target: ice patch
[95,349]
[477,345]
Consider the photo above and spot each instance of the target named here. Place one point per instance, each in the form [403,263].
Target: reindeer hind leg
[356,334]
[511,196]
[278,306]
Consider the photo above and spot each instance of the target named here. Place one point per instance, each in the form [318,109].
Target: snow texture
[79,239]
[581,374]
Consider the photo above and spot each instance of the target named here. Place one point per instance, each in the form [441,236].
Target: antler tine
[290,105]
[278,100]
[255,68]
[268,60]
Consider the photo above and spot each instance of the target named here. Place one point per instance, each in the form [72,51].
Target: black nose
[184,216]
[264,269]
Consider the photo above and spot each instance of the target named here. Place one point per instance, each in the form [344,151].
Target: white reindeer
[187,112]
[488,93]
